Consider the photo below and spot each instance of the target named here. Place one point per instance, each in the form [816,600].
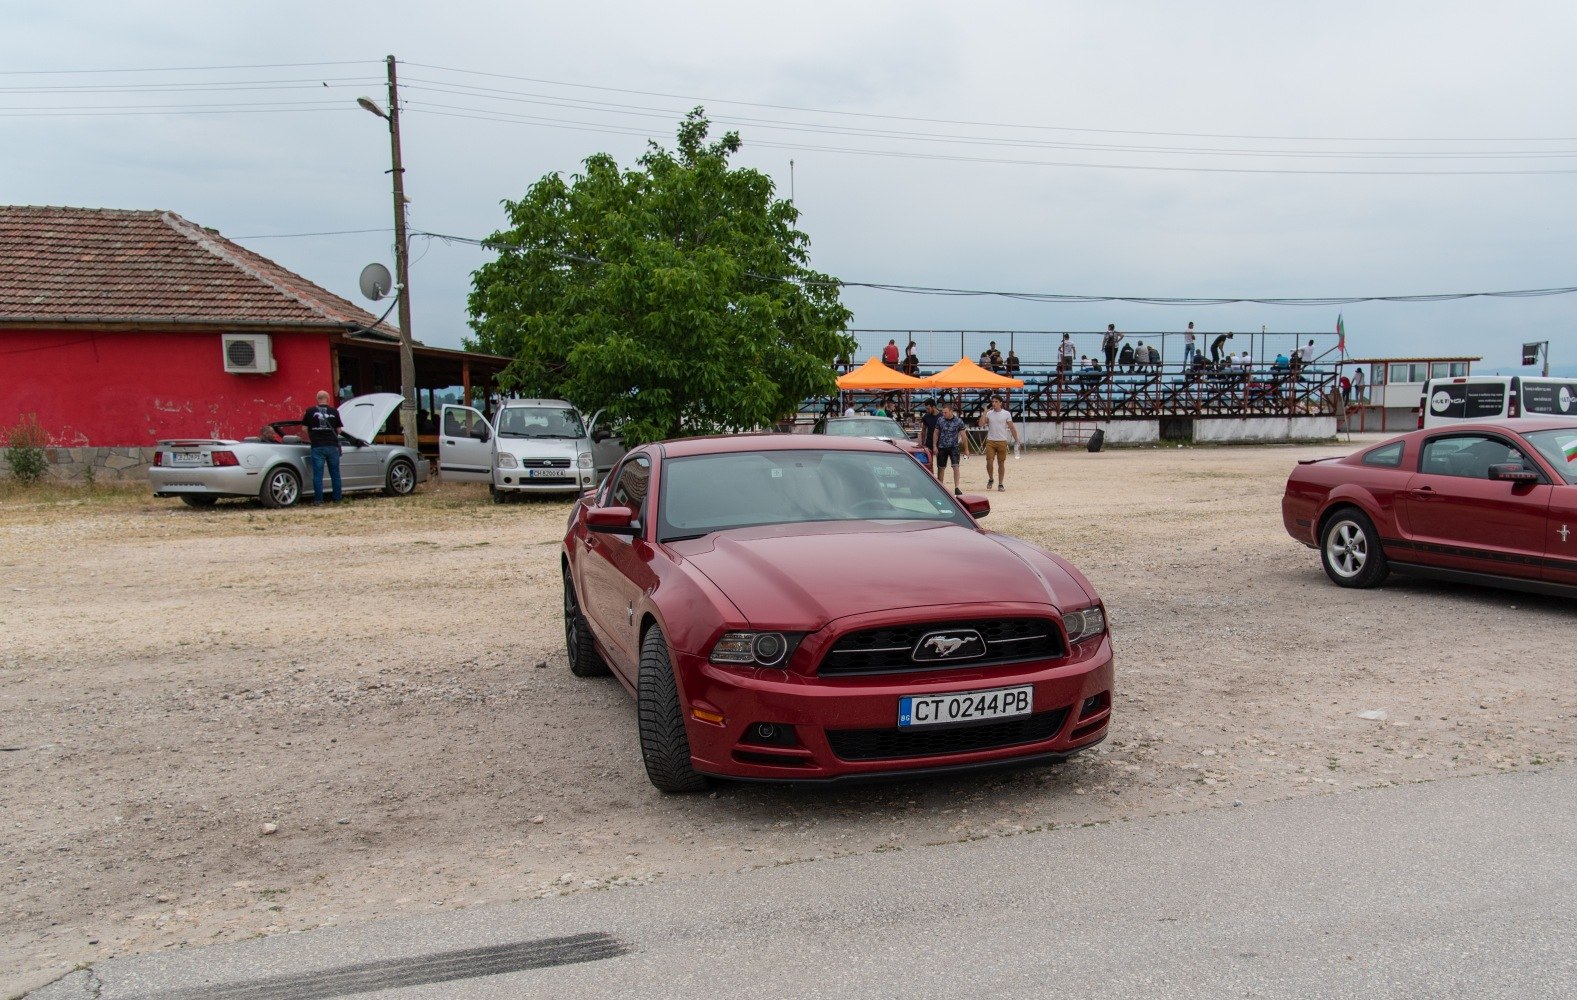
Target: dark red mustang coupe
[1489,503]
[794,608]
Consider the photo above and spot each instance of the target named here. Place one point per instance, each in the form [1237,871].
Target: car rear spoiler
[1327,458]
[193,442]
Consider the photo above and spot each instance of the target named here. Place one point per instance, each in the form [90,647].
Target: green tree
[676,295]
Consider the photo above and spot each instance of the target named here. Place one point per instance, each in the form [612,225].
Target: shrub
[24,450]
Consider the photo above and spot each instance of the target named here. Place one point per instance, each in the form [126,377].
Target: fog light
[771,734]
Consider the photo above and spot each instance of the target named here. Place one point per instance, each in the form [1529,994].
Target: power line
[291,236]
[1060,298]
[183,69]
[980,124]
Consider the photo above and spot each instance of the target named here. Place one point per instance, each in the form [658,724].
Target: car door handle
[1424,493]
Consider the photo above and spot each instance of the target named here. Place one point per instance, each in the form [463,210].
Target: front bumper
[1071,712]
[223,481]
[575,480]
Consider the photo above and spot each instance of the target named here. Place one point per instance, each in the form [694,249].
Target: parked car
[1493,397]
[878,428]
[530,446]
[795,608]
[1493,503]
[273,466]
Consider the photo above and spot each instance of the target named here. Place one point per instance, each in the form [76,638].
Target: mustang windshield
[869,427]
[1552,445]
[539,422]
[706,493]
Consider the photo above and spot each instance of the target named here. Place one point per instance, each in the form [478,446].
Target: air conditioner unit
[248,354]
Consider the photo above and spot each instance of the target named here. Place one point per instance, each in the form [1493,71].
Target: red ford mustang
[1489,503]
[797,608]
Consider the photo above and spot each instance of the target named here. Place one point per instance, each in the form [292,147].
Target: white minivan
[1495,397]
[530,446]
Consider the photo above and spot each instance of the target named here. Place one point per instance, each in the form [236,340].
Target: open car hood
[363,415]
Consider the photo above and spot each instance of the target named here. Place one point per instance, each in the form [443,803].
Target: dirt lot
[382,686]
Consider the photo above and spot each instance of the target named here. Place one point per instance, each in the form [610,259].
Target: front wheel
[1350,550]
[401,480]
[281,488]
[665,748]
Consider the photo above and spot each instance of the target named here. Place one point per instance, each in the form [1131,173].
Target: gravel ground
[232,722]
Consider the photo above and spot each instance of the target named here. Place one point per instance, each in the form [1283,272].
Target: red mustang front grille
[894,649]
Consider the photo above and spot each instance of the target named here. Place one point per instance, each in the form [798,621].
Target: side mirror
[1513,472]
[601,434]
[612,521]
[480,433]
[978,506]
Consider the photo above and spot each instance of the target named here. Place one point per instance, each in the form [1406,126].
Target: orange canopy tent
[875,375]
[968,375]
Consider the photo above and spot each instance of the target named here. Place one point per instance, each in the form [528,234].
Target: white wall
[1043,433]
[1224,429]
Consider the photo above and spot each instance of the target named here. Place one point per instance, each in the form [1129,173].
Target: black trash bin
[1096,440]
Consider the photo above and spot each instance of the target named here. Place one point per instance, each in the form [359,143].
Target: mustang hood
[790,579]
[363,415]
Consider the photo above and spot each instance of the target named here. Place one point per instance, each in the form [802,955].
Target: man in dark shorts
[323,430]
[928,424]
[951,436]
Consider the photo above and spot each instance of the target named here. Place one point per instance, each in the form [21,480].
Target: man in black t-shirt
[928,431]
[323,430]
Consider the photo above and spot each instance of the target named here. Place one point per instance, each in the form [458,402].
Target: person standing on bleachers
[1065,354]
[1109,341]
[1188,348]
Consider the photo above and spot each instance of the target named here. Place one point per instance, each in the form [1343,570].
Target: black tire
[498,495]
[583,658]
[1350,550]
[665,748]
[198,500]
[281,488]
[401,479]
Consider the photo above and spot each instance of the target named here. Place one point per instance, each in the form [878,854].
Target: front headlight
[585,460]
[1086,624]
[506,460]
[763,649]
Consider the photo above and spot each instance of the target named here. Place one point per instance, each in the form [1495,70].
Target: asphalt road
[1455,888]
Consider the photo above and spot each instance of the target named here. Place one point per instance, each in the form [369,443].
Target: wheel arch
[1336,503]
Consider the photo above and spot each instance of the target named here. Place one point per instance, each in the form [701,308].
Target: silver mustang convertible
[275,466]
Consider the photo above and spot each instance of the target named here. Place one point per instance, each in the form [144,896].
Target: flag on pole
[1569,449]
[1341,336]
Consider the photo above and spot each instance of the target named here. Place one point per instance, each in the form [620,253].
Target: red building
[118,328]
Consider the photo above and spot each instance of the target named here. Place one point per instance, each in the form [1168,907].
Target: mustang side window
[1469,456]
[1389,456]
[630,490]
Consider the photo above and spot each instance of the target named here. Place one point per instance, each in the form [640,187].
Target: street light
[401,258]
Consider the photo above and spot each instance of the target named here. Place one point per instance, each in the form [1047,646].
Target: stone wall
[109,465]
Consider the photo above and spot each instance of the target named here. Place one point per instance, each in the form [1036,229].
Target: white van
[530,446]
[1495,397]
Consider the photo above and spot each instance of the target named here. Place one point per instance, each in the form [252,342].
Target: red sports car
[1487,503]
[800,608]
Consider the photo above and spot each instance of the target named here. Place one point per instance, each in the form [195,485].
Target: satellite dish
[375,281]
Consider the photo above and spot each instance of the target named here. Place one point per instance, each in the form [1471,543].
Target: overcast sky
[1207,149]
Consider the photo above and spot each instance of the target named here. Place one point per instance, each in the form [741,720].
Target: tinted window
[1555,398]
[878,427]
[1468,456]
[706,493]
[1389,456]
[1467,400]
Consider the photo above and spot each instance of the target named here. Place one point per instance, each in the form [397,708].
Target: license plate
[186,458]
[964,706]
[547,473]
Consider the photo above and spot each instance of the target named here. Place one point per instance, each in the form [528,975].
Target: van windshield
[1559,448]
[539,422]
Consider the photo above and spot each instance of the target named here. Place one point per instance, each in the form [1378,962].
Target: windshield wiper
[684,538]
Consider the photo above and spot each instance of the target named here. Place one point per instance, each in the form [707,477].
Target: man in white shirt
[1065,352]
[848,411]
[998,423]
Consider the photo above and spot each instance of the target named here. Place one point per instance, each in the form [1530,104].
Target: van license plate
[964,706]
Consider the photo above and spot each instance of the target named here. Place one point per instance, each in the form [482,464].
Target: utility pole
[402,269]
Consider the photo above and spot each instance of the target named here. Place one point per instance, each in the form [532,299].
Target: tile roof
[101,265]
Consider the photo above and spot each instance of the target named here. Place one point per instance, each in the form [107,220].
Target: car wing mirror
[612,521]
[1513,472]
[601,434]
[480,433]
[978,506]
